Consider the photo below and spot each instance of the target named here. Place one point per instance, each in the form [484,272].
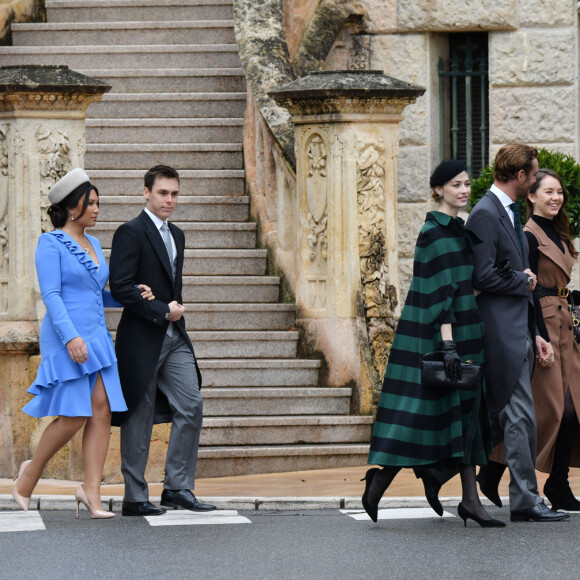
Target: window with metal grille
[464,103]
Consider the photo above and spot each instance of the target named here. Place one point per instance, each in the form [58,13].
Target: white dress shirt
[504,199]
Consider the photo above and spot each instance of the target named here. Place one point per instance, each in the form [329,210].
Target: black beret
[446,171]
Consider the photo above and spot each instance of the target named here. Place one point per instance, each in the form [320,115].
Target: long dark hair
[58,212]
[561,221]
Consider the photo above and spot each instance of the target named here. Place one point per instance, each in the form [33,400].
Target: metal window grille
[465,131]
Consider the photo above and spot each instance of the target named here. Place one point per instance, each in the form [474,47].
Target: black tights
[470,497]
[564,442]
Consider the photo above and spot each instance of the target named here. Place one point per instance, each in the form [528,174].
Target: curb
[68,503]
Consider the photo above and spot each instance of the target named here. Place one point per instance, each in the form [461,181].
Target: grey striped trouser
[517,420]
[175,376]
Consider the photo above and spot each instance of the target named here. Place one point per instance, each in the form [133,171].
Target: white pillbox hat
[67,184]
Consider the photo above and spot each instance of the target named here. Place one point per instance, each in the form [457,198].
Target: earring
[72,217]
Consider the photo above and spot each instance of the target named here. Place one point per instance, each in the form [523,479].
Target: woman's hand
[451,361]
[146,292]
[77,349]
[545,352]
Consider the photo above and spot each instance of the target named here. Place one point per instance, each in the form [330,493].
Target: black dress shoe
[432,489]
[561,497]
[538,513]
[141,508]
[183,498]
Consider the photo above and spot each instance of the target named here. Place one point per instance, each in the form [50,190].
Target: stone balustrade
[341,224]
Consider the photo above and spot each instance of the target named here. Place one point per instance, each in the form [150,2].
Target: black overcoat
[138,256]
[505,303]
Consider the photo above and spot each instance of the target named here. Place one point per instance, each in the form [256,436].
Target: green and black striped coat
[417,426]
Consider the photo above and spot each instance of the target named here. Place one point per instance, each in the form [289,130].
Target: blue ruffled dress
[72,288]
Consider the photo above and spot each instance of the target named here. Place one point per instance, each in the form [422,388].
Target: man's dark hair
[163,170]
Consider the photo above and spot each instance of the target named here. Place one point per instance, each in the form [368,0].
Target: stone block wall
[533,83]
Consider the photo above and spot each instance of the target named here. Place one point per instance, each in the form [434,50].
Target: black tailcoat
[138,256]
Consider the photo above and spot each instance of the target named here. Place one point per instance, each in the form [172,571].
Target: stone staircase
[179,98]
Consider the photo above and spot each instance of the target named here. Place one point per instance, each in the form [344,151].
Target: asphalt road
[324,544]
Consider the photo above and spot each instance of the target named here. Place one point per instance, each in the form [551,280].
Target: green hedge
[564,165]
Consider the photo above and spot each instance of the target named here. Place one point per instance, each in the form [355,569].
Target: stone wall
[533,82]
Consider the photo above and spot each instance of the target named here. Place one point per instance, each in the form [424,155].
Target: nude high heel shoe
[23,502]
[81,497]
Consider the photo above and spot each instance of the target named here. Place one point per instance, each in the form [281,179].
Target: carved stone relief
[316,184]
[4,218]
[378,296]
[55,162]
[47,101]
[3,152]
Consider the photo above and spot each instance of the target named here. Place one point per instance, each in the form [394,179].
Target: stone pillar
[347,141]
[42,136]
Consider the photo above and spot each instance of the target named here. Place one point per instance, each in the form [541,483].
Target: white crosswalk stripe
[21,521]
[187,518]
[397,514]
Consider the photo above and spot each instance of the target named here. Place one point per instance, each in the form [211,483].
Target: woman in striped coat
[421,427]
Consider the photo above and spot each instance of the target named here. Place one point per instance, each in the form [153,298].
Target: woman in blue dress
[77,381]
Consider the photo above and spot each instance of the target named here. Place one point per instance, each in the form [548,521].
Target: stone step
[231,289]
[207,235]
[168,105]
[258,316]
[206,155]
[201,208]
[231,460]
[238,401]
[259,373]
[283,430]
[235,344]
[213,130]
[223,262]
[144,10]
[123,33]
[137,56]
[199,182]
[211,316]
[171,80]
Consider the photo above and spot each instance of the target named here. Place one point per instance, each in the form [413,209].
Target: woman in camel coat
[556,388]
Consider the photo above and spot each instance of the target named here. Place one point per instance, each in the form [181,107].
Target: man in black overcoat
[159,373]
[511,339]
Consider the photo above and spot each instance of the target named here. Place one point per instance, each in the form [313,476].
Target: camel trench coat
[550,385]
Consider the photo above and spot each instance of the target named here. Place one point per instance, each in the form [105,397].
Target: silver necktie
[167,241]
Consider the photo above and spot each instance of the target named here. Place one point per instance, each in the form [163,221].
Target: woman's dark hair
[561,221]
[58,212]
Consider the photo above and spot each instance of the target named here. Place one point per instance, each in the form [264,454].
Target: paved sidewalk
[294,490]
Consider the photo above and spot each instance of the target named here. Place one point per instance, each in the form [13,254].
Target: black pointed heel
[465,514]
[372,510]
[432,488]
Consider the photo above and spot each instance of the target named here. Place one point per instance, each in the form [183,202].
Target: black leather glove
[505,268]
[451,360]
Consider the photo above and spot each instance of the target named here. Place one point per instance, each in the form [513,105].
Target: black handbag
[433,373]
